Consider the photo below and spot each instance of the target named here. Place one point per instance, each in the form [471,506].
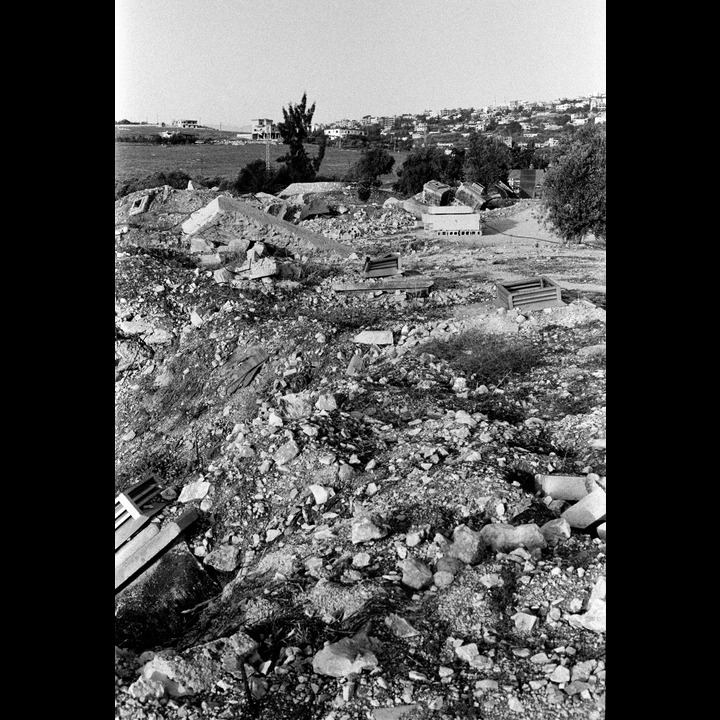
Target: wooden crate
[381,266]
[135,506]
[530,294]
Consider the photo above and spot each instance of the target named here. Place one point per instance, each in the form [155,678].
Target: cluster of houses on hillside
[535,121]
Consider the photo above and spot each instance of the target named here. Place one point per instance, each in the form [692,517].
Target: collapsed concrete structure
[436,193]
[226,219]
[472,194]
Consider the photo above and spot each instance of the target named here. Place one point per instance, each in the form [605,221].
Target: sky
[231,61]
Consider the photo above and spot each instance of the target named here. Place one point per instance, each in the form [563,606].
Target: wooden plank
[129,505]
[137,542]
[404,284]
[129,529]
[153,548]
[123,533]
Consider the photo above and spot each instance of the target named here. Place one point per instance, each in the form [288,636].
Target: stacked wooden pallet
[381,266]
[138,542]
[530,294]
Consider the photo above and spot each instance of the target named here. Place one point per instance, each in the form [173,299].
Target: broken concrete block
[595,618]
[264,267]
[416,574]
[356,365]
[326,402]
[364,530]
[502,537]
[467,545]
[223,275]
[400,627]
[200,245]
[374,337]
[286,452]
[601,531]
[224,558]
[524,622]
[179,676]
[556,531]
[587,511]
[208,262]
[194,491]
[320,494]
[562,487]
[349,656]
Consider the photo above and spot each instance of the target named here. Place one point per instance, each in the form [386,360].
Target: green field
[134,160]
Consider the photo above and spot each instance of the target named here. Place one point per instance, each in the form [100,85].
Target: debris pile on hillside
[385,523]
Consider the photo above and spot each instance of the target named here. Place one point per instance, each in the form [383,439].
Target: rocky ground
[379,536]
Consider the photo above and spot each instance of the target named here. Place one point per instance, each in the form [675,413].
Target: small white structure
[452,220]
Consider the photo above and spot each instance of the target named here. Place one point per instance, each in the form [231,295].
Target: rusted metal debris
[382,266]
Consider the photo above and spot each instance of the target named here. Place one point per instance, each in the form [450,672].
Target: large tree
[374,161]
[295,131]
[487,160]
[421,165]
[574,193]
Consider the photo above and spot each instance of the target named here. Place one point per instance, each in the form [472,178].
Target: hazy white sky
[229,61]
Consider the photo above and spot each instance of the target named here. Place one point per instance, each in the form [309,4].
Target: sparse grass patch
[486,359]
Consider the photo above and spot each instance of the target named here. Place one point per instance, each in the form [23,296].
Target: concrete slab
[587,511]
[374,337]
[562,487]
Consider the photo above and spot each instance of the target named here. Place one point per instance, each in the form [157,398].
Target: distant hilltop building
[264,129]
[185,123]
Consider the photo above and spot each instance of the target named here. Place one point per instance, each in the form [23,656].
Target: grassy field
[136,160]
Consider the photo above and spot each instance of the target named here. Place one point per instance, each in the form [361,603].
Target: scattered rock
[416,574]
[400,627]
[349,656]
[194,491]
[286,453]
[586,511]
[502,537]
[556,531]
[365,530]
[467,545]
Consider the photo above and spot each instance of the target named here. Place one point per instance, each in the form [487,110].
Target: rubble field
[398,487]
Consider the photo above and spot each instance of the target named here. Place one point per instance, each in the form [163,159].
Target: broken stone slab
[400,627]
[297,406]
[320,493]
[356,365]
[224,558]
[556,531]
[595,618]
[349,656]
[364,529]
[286,453]
[393,713]
[502,537]
[467,545]
[194,491]
[524,622]
[601,531]
[178,676]
[326,402]
[470,654]
[200,245]
[587,511]
[374,337]
[416,574]
[264,267]
[562,487]
[222,276]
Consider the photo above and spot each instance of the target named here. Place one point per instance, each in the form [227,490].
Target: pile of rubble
[376,533]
